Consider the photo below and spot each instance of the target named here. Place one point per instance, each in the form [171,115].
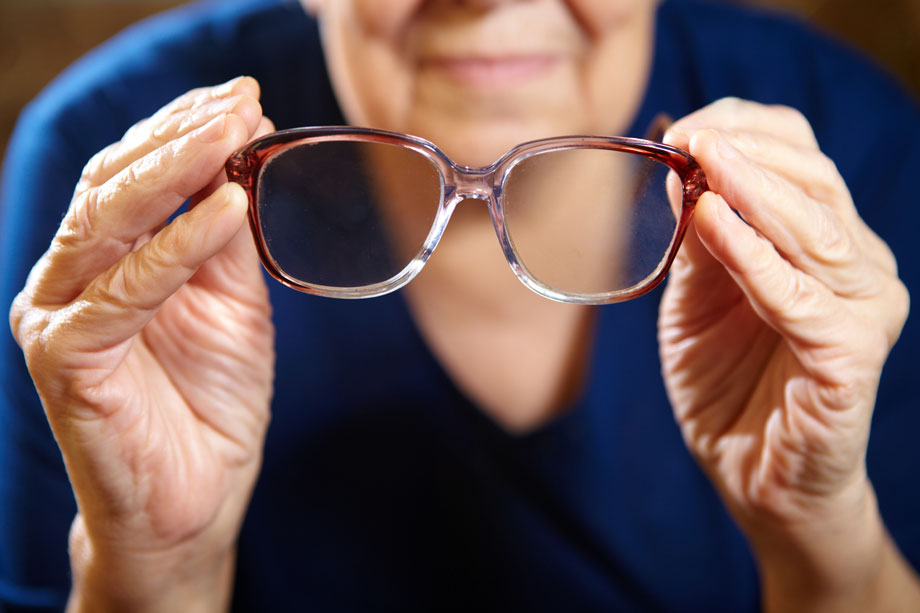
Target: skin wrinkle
[762,438]
[722,380]
[212,347]
[76,383]
[798,465]
[693,325]
[797,291]
[734,423]
[779,156]
[747,427]
[134,174]
[77,227]
[827,245]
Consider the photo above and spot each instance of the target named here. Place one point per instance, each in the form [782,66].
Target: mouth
[492,71]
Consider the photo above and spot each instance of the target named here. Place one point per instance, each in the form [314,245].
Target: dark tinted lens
[589,221]
[346,214]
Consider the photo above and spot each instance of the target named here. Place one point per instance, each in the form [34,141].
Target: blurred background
[39,38]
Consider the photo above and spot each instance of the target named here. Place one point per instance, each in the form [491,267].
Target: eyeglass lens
[589,221]
[340,214]
[346,214]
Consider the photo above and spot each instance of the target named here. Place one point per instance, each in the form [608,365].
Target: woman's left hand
[773,332]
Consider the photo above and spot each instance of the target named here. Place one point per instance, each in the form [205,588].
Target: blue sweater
[383,487]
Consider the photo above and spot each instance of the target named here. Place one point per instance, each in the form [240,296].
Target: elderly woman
[464,443]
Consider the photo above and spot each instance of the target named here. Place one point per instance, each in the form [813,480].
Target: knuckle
[730,104]
[832,186]
[881,251]
[833,244]
[93,170]
[184,124]
[78,226]
[30,327]
[202,97]
[159,254]
[161,134]
[828,169]
[21,306]
[127,286]
[172,125]
[134,179]
[764,268]
[799,297]
[797,120]
[899,307]
[727,111]
[132,133]
[186,100]
[119,289]
[166,250]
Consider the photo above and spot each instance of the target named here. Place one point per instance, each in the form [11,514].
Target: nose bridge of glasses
[470,183]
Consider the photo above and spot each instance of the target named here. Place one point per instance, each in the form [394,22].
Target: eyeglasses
[355,213]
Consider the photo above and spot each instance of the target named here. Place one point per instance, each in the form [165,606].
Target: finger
[265,126]
[119,303]
[734,114]
[787,299]
[104,223]
[807,233]
[818,176]
[807,167]
[181,116]
[815,322]
[815,173]
[236,270]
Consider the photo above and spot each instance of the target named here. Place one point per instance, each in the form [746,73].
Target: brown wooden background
[38,38]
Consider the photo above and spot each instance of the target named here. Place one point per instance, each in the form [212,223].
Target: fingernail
[213,130]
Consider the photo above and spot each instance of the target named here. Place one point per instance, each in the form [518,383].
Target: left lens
[589,221]
[346,214]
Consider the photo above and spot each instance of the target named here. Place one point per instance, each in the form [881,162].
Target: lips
[492,71]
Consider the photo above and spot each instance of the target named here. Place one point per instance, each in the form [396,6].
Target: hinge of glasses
[239,169]
[695,185]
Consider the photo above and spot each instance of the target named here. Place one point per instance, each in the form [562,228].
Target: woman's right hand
[151,346]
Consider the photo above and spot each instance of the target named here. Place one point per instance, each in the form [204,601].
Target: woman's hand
[773,332]
[151,346]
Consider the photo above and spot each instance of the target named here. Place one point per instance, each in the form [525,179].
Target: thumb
[237,265]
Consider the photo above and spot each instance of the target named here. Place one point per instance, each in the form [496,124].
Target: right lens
[346,214]
[589,221]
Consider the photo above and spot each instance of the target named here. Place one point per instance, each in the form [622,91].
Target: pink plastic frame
[459,183]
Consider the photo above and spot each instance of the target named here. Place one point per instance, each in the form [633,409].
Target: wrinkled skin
[773,332]
[151,347]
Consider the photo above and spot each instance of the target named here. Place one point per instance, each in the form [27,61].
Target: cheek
[598,16]
[385,17]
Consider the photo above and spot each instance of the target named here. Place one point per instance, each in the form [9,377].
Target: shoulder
[857,110]
[148,64]
[94,101]
[770,57]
